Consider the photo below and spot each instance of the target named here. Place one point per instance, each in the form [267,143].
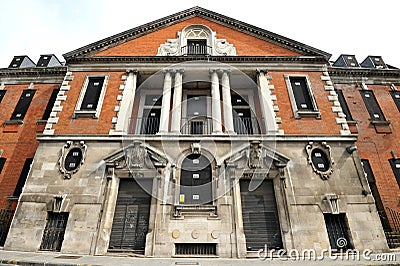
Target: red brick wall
[246,45]
[306,125]
[88,125]
[19,141]
[377,147]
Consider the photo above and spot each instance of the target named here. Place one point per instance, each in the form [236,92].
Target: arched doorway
[196,180]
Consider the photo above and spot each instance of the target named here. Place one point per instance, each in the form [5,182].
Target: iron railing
[246,125]
[395,217]
[391,227]
[198,125]
[145,125]
[6,216]
[196,50]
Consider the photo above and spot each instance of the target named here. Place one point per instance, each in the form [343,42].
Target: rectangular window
[91,98]
[23,105]
[53,234]
[372,105]
[150,120]
[23,176]
[395,163]
[395,96]
[344,105]
[50,104]
[338,232]
[2,163]
[2,93]
[301,97]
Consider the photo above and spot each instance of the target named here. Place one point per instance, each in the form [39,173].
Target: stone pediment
[138,159]
[124,44]
[256,157]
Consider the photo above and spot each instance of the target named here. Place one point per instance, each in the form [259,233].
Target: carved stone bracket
[319,156]
[72,157]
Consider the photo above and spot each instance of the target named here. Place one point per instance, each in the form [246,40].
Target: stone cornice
[364,75]
[46,75]
[189,13]
[178,59]
[363,72]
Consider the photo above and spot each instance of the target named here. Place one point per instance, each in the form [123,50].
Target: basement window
[301,96]
[91,97]
[198,249]
[23,105]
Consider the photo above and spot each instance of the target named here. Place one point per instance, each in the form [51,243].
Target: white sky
[360,27]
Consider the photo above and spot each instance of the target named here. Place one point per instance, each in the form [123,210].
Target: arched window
[195,180]
[196,39]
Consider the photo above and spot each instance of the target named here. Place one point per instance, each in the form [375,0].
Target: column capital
[168,71]
[180,70]
[131,70]
[262,71]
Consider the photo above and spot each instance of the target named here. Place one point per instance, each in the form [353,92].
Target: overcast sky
[34,27]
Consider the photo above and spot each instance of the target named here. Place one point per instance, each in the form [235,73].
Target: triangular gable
[146,39]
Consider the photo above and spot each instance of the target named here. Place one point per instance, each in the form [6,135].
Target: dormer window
[196,39]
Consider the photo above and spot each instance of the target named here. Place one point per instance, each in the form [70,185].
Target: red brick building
[198,134]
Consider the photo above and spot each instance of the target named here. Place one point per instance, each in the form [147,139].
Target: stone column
[226,99]
[166,102]
[177,104]
[215,103]
[128,97]
[266,104]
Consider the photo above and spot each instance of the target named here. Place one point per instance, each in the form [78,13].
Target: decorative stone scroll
[175,47]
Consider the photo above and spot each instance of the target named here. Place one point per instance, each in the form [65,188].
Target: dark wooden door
[131,217]
[260,216]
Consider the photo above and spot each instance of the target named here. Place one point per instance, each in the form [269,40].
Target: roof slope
[191,13]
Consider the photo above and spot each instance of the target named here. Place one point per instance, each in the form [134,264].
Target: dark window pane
[344,105]
[2,93]
[320,160]
[153,100]
[150,121]
[50,104]
[395,163]
[2,162]
[368,170]
[23,105]
[23,176]
[301,94]
[372,105]
[396,98]
[92,94]
[239,100]
[197,47]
